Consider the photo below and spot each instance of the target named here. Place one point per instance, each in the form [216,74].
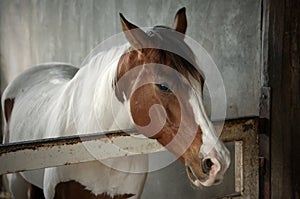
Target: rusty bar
[68,140]
[36,154]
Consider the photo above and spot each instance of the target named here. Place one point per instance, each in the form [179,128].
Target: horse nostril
[206,165]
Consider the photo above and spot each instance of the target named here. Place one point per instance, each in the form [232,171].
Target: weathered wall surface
[36,31]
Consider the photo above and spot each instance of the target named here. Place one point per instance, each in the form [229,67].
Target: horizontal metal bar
[36,154]
[68,140]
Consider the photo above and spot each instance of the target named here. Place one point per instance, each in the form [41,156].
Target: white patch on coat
[52,101]
[212,147]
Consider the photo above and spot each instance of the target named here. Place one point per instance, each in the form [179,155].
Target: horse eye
[164,87]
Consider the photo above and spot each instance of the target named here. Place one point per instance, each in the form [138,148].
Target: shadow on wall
[3,84]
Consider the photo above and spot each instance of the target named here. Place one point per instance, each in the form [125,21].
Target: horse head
[158,77]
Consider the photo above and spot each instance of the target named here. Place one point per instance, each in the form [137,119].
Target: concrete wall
[36,31]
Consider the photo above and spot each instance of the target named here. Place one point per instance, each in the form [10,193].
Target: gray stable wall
[36,31]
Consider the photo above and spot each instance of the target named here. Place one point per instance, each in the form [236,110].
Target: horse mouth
[192,176]
[207,181]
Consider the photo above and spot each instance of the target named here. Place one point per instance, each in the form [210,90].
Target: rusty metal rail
[36,154]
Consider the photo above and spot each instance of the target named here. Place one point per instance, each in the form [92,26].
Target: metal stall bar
[36,154]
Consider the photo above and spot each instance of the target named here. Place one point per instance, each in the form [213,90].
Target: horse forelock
[170,49]
[172,41]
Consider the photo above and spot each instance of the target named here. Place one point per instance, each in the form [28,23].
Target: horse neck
[93,102]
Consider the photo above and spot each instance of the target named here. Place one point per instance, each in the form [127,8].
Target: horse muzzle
[210,171]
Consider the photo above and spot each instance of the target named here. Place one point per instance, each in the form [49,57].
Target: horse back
[35,82]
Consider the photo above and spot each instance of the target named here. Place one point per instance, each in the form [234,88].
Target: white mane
[92,97]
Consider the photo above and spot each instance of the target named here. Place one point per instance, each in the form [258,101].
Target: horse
[162,99]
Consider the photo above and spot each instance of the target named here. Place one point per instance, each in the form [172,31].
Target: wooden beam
[284,81]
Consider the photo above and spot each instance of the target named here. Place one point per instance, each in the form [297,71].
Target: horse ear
[180,22]
[136,36]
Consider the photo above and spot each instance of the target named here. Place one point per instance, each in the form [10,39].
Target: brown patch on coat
[75,190]
[8,107]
